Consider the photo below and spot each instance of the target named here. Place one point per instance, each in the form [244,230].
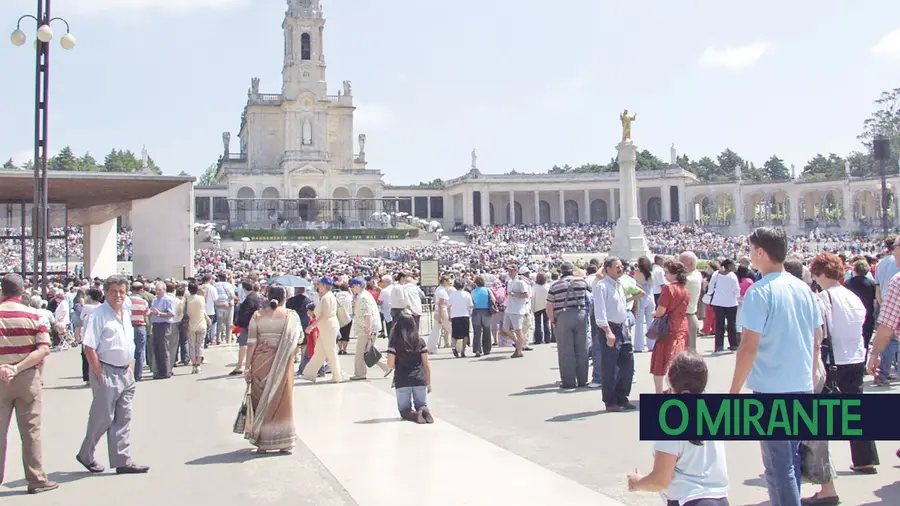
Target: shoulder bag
[372,355]
[830,382]
[659,329]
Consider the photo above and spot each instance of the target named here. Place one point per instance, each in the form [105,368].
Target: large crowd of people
[65,243]
[505,287]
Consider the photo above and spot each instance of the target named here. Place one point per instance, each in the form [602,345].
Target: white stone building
[295,165]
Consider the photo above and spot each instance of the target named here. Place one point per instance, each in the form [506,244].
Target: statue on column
[144,157]
[307,133]
[362,145]
[847,168]
[673,154]
[626,124]
[226,140]
[474,160]
[348,89]
[254,86]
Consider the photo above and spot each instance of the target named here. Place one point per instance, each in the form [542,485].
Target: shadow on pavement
[21,486]
[375,421]
[888,494]
[759,481]
[232,457]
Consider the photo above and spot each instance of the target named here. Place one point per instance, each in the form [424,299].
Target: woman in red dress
[673,301]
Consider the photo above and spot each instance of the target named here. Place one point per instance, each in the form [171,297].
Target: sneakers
[595,384]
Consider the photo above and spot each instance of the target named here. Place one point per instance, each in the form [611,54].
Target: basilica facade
[296,163]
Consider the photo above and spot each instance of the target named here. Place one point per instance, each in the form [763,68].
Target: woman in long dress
[673,302]
[272,342]
[327,323]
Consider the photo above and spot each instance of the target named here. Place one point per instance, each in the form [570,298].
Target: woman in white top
[539,292]
[688,473]
[460,306]
[725,291]
[844,355]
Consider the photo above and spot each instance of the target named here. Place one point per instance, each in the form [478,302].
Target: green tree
[28,165]
[861,164]
[9,165]
[708,170]
[65,160]
[885,121]
[648,161]
[821,167]
[208,178]
[87,163]
[775,170]
[728,162]
[433,182]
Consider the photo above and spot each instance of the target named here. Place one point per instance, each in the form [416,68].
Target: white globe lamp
[67,42]
[45,33]
[18,38]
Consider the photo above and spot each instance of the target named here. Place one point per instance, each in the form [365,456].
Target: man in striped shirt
[567,313]
[24,343]
[139,311]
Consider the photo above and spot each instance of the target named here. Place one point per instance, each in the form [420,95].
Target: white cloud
[734,58]
[889,45]
[99,6]
[372,116]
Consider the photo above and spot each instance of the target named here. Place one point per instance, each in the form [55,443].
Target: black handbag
[831,386]
[659,328]
[372,355]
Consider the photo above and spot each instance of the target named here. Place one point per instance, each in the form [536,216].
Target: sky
[527,83]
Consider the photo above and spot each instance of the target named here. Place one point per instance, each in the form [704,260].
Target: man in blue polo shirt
[781,323]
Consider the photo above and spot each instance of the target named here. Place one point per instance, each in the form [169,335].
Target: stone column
[537,207]
[846,206]
[586,207]
[613,211]
[683,205]
[428,208]
[485,206]
[512,207]
[666,198]
[211,211]
[449,211]
[629,243]
[562,207]
[100,249]
[468,213]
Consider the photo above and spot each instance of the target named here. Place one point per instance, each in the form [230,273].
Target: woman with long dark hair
[688,473]
[408,356]
[673,303]
[272,343]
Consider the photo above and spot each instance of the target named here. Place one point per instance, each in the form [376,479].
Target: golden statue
[626,125]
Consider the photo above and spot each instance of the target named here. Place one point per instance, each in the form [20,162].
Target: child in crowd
[688,473]
[408,356]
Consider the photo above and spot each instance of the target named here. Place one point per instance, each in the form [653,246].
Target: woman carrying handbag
[670,326]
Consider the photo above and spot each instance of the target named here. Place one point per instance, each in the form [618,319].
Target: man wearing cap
[567,313]
[518,297]
[365,328]
[528,323]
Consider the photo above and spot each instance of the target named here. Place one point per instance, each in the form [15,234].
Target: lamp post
[40,209]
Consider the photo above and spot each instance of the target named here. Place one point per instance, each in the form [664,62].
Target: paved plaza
[505,433]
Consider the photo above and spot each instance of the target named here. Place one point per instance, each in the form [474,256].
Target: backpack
[499,292]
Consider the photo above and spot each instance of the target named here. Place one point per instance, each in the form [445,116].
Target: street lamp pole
[40,213]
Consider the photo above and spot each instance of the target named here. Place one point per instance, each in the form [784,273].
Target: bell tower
[304,55]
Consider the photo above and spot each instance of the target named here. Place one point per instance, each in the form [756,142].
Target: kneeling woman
[408,356]
[272,343]
[688,473]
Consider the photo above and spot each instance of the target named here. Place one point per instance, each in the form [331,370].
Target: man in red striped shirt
[24,343]
[139,311]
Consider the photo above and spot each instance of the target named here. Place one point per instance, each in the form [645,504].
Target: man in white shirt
[414,296]
[399,300]
[209,293]
[658,277]
[440,326]
[384,301]
[109,349]
[62,317]
[694,286]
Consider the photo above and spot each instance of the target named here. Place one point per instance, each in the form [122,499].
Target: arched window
[305,47]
